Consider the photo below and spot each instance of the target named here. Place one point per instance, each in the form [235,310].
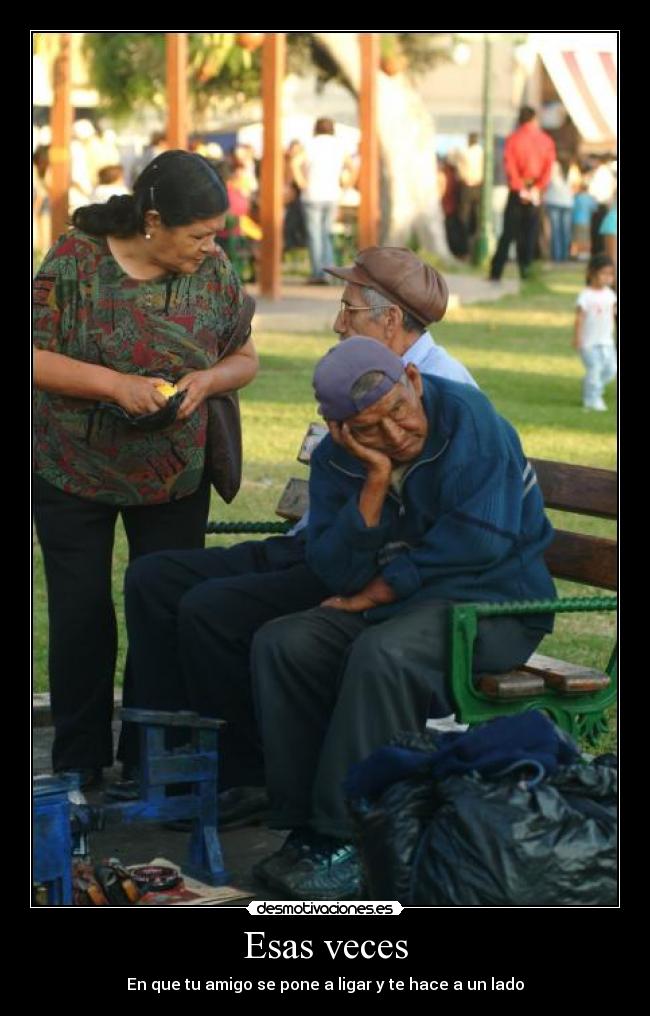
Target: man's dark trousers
[330,688]
[521,224]
[191,617]
[469,211]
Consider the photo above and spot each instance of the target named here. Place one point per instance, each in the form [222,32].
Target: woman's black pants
[76,537]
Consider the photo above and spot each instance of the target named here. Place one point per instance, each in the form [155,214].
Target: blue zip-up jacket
[469,525]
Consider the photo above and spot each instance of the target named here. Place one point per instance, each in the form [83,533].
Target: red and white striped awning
[584,69]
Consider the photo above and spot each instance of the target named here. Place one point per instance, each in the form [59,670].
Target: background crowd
[578,216]
[317,206]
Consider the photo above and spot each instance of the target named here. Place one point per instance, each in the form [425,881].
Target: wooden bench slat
[580,489]
[569,678]
[516,684]
[578,684]
[580,558]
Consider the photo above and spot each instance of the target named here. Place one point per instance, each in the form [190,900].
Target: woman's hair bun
[116,218]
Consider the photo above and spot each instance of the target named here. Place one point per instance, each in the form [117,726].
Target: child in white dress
[594,330]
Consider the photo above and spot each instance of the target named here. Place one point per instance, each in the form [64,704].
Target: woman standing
[135,295]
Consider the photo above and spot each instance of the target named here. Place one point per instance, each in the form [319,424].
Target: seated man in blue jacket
[420,496]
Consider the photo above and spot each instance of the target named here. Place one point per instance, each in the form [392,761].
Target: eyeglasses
[345,307]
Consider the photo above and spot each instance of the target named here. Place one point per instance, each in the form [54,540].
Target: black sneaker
[271,869]
[328,870]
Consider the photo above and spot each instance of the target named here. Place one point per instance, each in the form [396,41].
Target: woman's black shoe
[239,806]
[123,790]
[128,788]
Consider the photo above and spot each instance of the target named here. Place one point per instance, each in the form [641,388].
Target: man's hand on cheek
[376,462]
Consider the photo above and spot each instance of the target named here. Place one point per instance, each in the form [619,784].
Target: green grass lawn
[519,351]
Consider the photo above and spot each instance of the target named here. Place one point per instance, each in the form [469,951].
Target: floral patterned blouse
[88,308]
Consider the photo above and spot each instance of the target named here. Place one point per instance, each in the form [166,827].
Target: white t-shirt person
[322,166]
[598,323]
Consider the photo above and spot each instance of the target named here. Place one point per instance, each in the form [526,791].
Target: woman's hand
[138,395]
[197,386]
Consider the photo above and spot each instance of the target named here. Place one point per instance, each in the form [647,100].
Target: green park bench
[576,697]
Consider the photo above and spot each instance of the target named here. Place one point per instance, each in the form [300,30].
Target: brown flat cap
[402,278]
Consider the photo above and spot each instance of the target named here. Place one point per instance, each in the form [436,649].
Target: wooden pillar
[485,241]
[271,206]
[369,175]
[177,109]
[61,124]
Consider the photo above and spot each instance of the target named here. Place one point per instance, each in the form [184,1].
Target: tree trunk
[410,207]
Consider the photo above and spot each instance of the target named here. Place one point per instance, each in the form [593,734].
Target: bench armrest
[561,605]
[463,629]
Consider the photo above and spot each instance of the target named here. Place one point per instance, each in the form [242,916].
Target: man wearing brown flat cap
[393,296]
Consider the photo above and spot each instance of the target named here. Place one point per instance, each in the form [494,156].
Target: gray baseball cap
[343,365]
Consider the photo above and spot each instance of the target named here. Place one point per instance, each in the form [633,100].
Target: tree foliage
[128,69]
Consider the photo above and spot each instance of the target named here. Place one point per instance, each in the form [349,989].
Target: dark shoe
[128,788]
[123,790]
[330,870]
[88,778]
[272,869]
[239,806]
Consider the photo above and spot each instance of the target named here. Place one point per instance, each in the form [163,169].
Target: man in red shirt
[528,159]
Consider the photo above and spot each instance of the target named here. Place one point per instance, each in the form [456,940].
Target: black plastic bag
[497,840]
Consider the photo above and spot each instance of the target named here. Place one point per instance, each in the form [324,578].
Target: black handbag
[223,450]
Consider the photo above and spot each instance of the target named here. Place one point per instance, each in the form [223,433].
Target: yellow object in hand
[166,389]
